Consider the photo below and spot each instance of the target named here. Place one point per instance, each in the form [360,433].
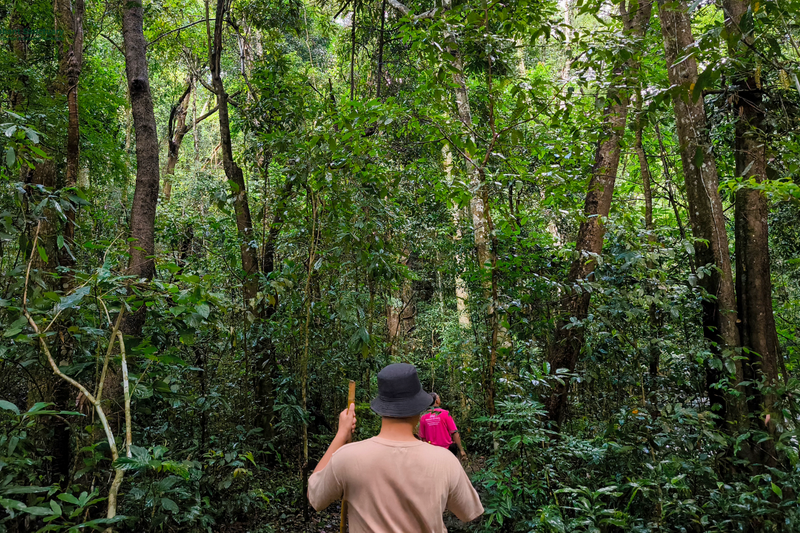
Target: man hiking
[393,483]
[438,428]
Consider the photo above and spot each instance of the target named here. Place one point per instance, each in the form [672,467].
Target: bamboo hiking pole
[351,399]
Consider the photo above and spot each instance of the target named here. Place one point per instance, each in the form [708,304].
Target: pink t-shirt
[437,427]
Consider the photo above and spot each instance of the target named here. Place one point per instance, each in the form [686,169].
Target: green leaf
[730,366]
[38,511]
[38,151]
[169,505]
[11,157]
[55,507]
[699,157]
[777,490]
[16,327]
[69,498]
[32,135]
[11,504]
[203,310]
[8,406]
[704,80]
[73,299]
[78,199]
[42,253]
[25,490]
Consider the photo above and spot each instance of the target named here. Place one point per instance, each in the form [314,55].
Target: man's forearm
[457,440]
[337,442]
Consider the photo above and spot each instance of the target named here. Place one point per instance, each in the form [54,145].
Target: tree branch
[407,12]
[107,38]
[188,127]
[154,41]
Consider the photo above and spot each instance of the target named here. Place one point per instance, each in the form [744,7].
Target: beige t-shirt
[395,487]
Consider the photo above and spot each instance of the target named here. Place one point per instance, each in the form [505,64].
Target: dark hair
[434,396]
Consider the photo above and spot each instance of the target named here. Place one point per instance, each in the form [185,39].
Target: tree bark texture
[462,292]
[145,197]
[244,222]
[753,281]
[568,342]
[69,21]
[706,215]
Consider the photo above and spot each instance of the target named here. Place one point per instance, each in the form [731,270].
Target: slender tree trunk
[753,282]
[177,123]
[568,342]
[20,48]
[266,361]
[145,197]
[69,20]
[705,206]
[178,129]
[244,223]
[644,171]
[398,316]
[668,186]
[481,226]
[479,209]
[462,292]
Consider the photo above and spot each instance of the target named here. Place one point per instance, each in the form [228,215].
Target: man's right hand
[347,423]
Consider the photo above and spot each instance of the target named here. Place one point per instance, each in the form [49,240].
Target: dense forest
[579,219]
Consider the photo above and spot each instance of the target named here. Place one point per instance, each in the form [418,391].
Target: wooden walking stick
[351,399]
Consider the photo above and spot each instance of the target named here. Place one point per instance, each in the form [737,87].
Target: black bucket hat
[400,393]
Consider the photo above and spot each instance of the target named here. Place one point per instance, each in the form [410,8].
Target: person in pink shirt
[437,427]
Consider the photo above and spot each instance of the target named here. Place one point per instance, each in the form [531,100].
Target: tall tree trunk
[568,342]
[70,22]
[462,292]
[705,206]
[145,197]
[481,226]
[479,205]
[753,282]
[244,223]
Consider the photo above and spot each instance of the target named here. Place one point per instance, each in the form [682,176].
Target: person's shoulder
[437,452]
[441,456]
[353,449]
